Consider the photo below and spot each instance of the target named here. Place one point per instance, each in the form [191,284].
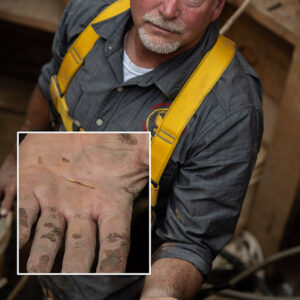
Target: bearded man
[126,82]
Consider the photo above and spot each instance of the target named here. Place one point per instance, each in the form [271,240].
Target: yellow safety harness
[180,112]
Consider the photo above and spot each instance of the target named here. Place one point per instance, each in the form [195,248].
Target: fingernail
[3,212]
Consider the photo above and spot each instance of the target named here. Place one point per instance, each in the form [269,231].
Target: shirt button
[99,122]
[77,123]
[109,47]
[120,89]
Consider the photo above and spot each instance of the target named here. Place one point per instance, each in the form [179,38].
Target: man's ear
[217,9]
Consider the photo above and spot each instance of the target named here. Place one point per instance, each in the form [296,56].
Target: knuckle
[42,265]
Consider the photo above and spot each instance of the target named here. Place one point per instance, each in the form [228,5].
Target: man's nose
[169,9]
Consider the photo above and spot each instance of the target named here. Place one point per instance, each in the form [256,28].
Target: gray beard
[160,48]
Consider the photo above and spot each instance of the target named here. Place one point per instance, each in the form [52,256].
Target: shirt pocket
[89,102]
[73,97]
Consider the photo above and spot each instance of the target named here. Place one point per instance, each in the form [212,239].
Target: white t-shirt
[131,70]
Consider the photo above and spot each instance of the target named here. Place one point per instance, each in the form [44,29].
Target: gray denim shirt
[204,183]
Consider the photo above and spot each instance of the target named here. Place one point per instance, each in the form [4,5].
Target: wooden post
[277,190]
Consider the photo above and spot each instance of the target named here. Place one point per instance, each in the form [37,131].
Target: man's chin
[157,46]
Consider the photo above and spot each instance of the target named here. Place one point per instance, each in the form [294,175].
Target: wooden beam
[14,96]
[283,21]
[267,53]
[40,14]
[279,185]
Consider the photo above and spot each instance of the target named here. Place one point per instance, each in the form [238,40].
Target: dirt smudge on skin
[53,214]
[65,160]
[23,218]
[76,236]
[78,243]
[43,262]
[50,236]
[125,245]
[41,267]
[40,160]
[113,260]
[128,139]
[56,230]
[114,237]
[53,210]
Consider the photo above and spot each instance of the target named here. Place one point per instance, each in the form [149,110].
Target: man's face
[165,26]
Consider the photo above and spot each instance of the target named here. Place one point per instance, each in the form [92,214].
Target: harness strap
[185,105]
[73,61]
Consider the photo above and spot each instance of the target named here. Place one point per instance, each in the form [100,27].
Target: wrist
[168,280]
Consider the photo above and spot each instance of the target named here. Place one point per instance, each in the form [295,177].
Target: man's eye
[193,2]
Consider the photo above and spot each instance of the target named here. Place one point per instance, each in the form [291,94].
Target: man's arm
[38,113]
[172,278]
[37,118]
[204,204]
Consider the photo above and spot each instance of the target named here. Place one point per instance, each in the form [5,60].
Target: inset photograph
[83,203]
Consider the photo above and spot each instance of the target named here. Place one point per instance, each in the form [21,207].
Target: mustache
[160,22]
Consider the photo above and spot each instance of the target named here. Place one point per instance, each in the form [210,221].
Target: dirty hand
[8,183]
[78,182]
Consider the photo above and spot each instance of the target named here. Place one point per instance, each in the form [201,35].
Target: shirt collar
[115,28]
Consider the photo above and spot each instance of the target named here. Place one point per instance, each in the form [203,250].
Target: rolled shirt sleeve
[207,194]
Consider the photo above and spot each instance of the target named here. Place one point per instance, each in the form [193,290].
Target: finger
[47,240]
[114,239]
[28,212]
[80,245]
[9,196]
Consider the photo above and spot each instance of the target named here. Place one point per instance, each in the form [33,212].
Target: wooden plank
[25,53]
[10,124]
[267,53]
[270,109]
[14,96]
[41,14]
[279,185]
[283,21]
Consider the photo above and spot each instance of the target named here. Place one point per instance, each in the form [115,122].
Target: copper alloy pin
[75,181]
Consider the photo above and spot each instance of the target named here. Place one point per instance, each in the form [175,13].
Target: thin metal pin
[75,181]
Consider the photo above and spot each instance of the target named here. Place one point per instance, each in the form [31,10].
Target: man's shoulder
[236,95]
[79,13]
[86,6]
[239,86]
